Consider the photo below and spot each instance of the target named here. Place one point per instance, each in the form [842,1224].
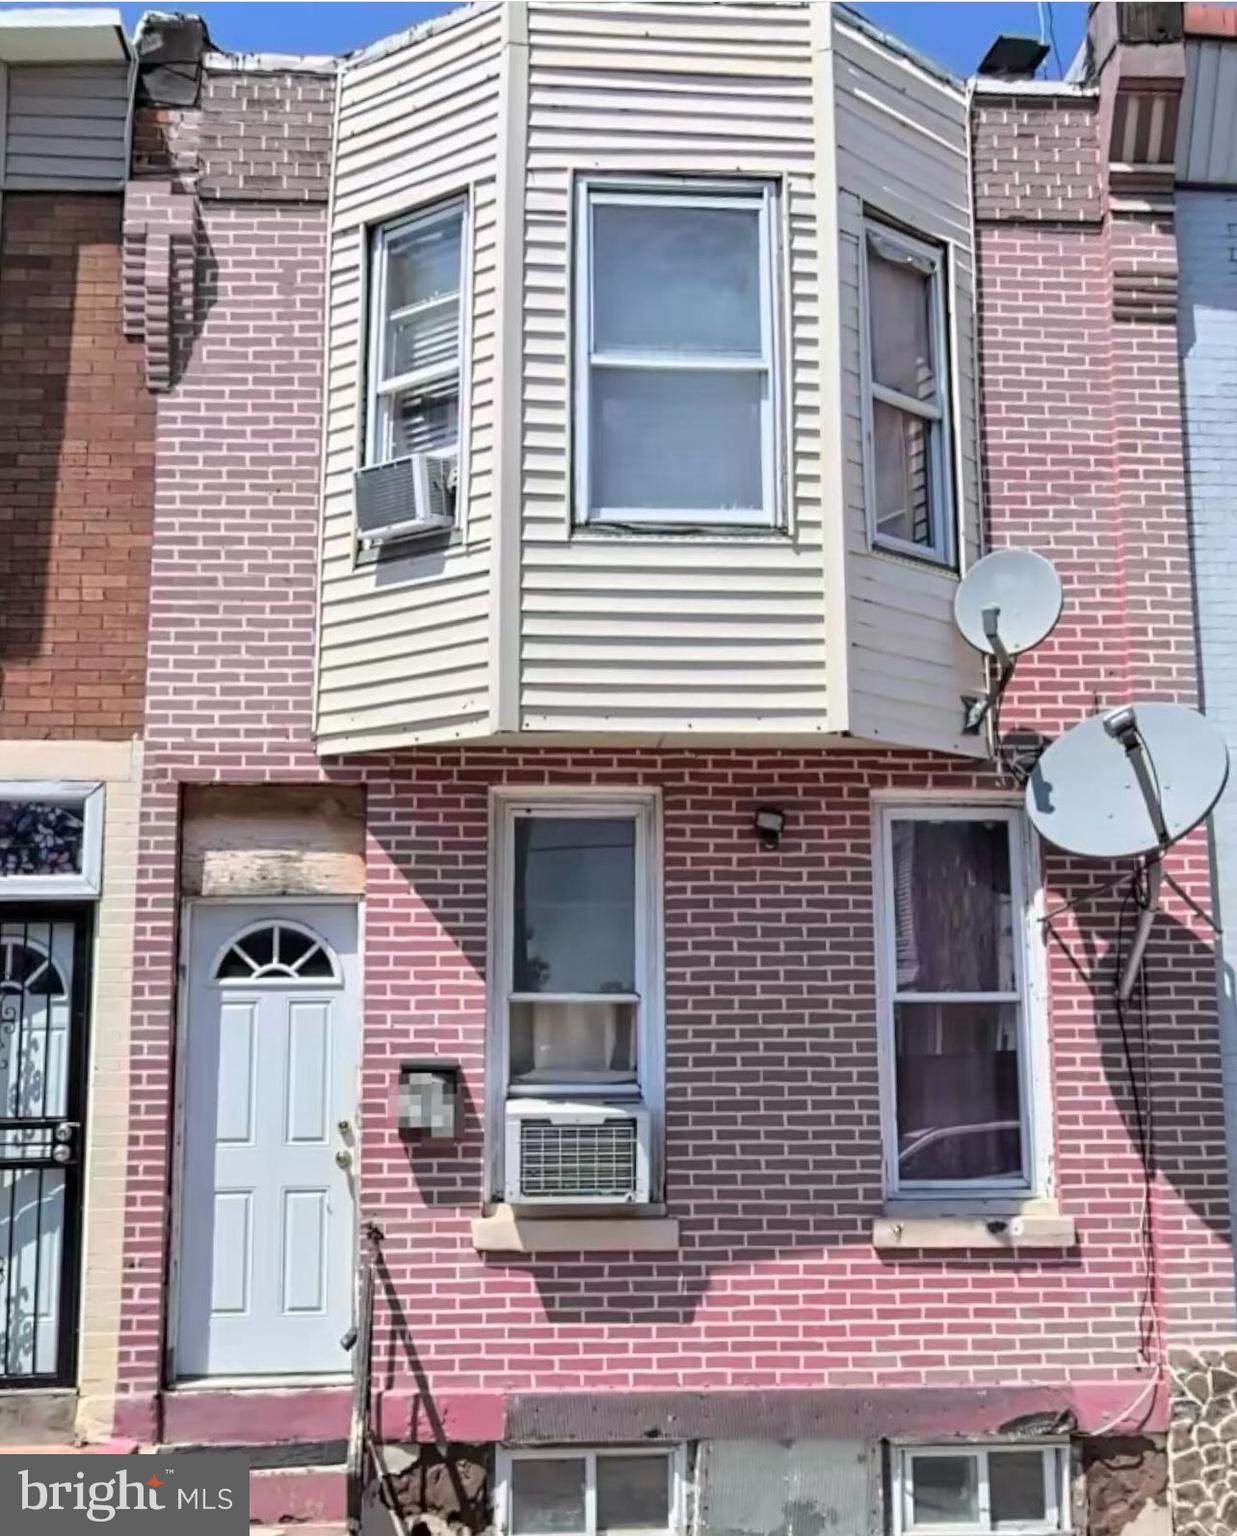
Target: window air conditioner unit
[561,1153]
[405,497]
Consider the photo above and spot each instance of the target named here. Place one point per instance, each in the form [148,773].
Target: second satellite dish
[1008,601]
[1085,794]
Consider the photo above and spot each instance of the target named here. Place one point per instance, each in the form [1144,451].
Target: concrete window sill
[505,1232]
[1033,1229]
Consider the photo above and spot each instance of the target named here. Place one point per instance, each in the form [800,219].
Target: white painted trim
[90,796]
[763,196]
[833,457]
[644,807]
[507,511]
[1054,1456]
[990,85]
[1033,1052]
[942,469]
[216,63]
[505,1456]
[324,385]
[4,125]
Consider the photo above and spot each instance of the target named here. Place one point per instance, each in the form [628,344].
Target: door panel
[266,1210]
[43,990]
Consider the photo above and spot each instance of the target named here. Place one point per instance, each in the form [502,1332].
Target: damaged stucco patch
[1202,1442]
[1126,1486]
[437,1492]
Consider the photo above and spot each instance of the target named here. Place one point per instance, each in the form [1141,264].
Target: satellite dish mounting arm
[1122,725]
[978,710]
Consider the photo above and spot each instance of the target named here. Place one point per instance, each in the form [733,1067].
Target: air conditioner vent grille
[585,1161]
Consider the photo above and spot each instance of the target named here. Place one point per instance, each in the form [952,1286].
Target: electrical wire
[1052,33]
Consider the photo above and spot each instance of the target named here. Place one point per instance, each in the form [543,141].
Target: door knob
[343,1158]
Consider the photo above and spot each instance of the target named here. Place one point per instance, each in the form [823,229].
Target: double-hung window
[676,372]
[908,468]
[971,1489]
[575,945]
[962,1047]
[415,330]
[577,1492]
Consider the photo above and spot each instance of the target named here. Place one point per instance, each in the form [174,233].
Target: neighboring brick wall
[1084,461]
[266,138]
[76,474]
[1037,158]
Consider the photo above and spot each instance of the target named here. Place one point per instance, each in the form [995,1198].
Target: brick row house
[564,875]
[76,498]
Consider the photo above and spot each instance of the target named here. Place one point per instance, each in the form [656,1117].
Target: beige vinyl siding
[66,125]
[902,152]
[404,648]
[648,634]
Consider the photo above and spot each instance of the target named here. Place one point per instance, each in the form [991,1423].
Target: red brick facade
[76,475]
[773,1122]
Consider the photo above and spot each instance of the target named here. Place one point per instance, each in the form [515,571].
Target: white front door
[266,1211]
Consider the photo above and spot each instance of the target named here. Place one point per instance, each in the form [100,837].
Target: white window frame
[380,392]
[90,798]
[762,197]
[507,1456]
[509,804]
[1033,1066]
[937,411]
[1056,1464]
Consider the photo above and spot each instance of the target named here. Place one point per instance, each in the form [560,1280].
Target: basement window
[906,395]
[961,1489]
[574,1492]
[676,399]
[962,1041]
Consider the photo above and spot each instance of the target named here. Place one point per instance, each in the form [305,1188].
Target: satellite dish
[1008,602]
[1129,782]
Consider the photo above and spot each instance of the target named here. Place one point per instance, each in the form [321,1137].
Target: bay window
[907,456]
[415,346]
[676,371]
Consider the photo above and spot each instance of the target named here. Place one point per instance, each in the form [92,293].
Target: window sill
[505,1232]
[1038,1224]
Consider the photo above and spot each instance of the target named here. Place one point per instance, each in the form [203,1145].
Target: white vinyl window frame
[674,1455]
[508,805]
[1027,995]
[382,394]
[88,799]
[936,411]
[762,198]
[1054,1456]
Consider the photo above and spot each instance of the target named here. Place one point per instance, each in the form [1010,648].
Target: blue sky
[955,34]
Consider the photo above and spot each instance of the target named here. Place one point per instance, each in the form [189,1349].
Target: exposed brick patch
[165,144]
[266,138]
[1037,159]
[76,475]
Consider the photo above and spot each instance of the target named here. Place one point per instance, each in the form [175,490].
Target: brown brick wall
[1037,159]
[76,475]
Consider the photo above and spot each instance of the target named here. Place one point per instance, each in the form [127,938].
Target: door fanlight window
[276,952]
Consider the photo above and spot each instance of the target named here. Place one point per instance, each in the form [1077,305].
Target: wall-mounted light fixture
[429,1099]
[768,823]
